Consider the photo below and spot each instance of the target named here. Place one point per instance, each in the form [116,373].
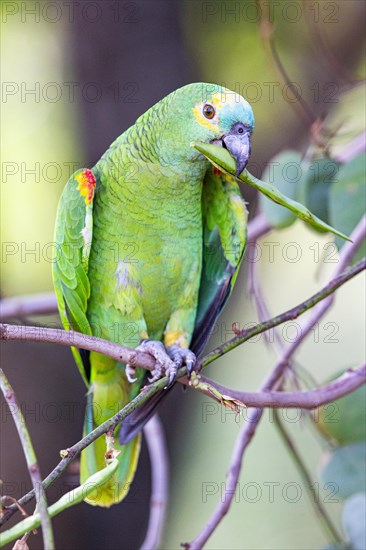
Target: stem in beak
[239,146]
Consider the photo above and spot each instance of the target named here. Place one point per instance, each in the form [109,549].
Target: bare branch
[83,341]
[139,359]
[345,384]
[352,149]
[273,379]
[156,444]
[257,227]
[71,453]
[31,460]
[291,314]
[266,31]
[30,304]
[319,508]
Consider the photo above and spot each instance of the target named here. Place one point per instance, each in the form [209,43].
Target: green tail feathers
[105,398]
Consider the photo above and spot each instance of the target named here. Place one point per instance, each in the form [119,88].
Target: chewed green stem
[222,159]
[66,501]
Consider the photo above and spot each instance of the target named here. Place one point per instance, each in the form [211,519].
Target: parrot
[149,243]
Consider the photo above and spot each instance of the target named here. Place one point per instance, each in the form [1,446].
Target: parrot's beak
[238,143]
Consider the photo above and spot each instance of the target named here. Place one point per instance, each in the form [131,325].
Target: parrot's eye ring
[209,111]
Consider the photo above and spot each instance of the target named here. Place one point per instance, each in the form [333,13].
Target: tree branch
[139,359]
[263,313]
[257,227]
[66,501]
[291,314]
[318,506]
[69,454]
[158,453]
[83,341]
[254,416]
[345,384]
[19,307]
[352,149]
[31,460]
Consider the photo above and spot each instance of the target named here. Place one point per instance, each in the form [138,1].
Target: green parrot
[150,241]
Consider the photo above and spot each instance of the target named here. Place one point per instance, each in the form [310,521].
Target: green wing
[73,237]
[224,237]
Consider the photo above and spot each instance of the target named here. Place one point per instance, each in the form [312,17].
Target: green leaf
[354,520]
[315,191]
[285,171]
[222,159]
[346,468]
[344,419]
[348,199]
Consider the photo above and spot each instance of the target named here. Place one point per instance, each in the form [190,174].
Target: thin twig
[71,338]
[266,31]
[323,47]
[257,227]
[69,499]
[352,149]
[347,252]
[320,510]
[254,416]
[293,313]
[345,384]
[263,313]
[24,306]
[71,453]
[31,460]
[351,380]
[260,304]
[156,444]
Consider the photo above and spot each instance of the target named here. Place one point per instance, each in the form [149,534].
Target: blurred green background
[75,77]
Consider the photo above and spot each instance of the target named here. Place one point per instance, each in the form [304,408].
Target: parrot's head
[210,113]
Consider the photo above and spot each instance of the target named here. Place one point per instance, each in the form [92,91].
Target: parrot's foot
[163,363]
[168,361]
[182,356]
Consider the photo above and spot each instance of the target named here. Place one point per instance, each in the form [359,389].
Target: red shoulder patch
[216,171]
[87,183]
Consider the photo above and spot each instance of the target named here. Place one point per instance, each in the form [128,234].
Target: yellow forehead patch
[218,100]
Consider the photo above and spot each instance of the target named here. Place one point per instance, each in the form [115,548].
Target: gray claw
[182,356]
[190,366]
[172,373]
[130,373]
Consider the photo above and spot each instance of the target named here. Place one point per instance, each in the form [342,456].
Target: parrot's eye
[209,111]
